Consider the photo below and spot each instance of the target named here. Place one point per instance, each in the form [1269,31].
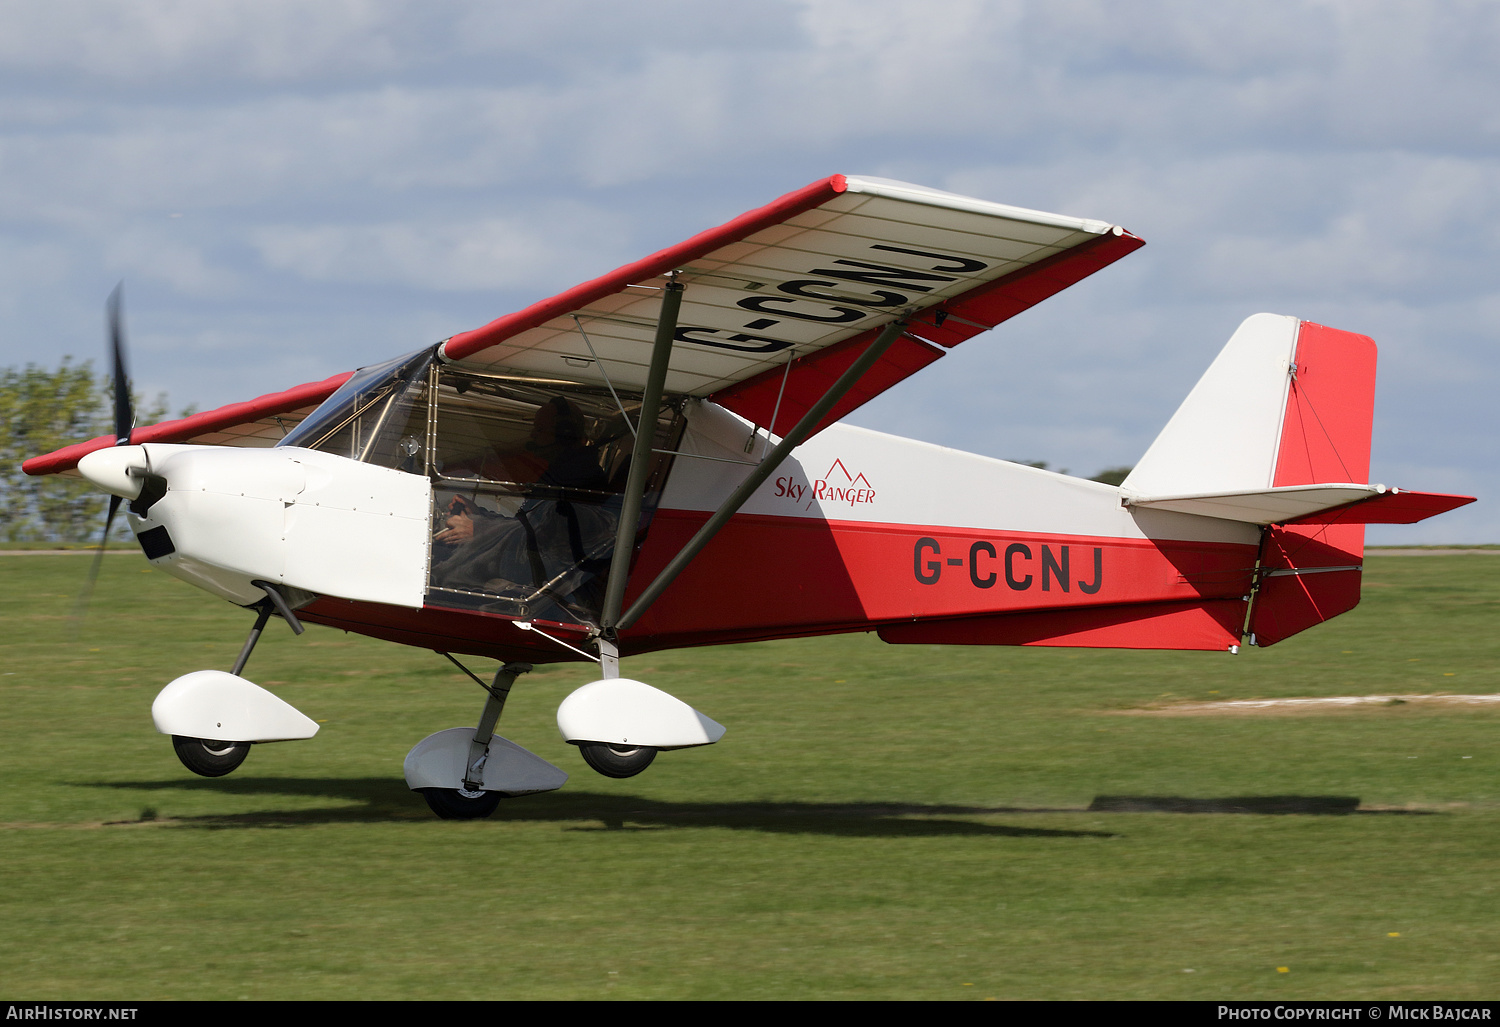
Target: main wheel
[617,760]
[460,803]
[207,757]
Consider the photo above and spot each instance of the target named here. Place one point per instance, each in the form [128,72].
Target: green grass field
[880,822]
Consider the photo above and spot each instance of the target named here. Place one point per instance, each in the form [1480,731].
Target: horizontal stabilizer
[1393,506]
[1324,503]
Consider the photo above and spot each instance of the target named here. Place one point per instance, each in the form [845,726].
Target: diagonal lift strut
[640,459]
[612,621]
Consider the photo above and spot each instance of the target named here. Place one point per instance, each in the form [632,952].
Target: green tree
[42,410]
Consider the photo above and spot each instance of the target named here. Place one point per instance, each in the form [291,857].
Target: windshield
[378,416]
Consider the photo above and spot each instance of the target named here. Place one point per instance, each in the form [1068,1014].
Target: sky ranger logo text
[836,486]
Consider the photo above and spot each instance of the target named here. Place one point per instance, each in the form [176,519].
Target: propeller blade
[124,411]
[124,408]
[81,608]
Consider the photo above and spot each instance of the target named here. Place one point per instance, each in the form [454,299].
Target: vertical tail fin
[1286,402]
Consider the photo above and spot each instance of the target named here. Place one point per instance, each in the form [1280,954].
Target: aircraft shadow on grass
[1315,805]
[384,800]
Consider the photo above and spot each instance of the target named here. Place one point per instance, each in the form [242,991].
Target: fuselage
[855,531]
[859,530]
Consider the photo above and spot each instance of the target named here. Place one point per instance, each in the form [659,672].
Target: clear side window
[528,478]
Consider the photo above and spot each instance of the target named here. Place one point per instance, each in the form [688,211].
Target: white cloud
[132,41]
[372,174]
[479,254]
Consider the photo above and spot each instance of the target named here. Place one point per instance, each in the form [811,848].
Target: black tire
[209,758]
[616,760]
[457,804]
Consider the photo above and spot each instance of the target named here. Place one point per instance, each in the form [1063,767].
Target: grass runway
[880,822]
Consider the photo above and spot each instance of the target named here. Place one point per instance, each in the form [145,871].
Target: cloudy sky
[292,189]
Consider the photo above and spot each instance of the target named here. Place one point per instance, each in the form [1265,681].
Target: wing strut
[640,458]
[757,477]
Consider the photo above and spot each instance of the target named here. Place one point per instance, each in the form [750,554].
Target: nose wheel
[463,773]
[461,803]
[207,757]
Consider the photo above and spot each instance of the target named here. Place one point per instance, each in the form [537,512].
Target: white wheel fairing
[627,714]
[221,706]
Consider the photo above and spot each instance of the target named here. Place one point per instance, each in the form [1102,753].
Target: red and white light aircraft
[652,460]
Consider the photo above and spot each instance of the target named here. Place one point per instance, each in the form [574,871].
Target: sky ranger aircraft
[651,460]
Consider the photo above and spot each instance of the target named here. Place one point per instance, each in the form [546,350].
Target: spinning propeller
[124,408]
[124,422]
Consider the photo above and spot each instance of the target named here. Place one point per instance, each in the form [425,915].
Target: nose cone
[117,470]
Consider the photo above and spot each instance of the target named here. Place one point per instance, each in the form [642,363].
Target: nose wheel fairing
[442,760]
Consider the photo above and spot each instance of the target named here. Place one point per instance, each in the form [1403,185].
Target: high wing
[781,300]
[778,303]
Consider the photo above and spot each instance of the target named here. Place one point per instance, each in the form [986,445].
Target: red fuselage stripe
[779,577]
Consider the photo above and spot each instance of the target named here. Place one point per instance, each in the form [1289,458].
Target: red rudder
[1310,572]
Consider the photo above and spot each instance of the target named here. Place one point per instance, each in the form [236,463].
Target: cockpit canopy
[527,475]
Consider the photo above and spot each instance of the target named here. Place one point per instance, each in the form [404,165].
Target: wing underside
[778,302]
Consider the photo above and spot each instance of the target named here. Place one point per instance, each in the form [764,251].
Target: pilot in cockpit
[478,549]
